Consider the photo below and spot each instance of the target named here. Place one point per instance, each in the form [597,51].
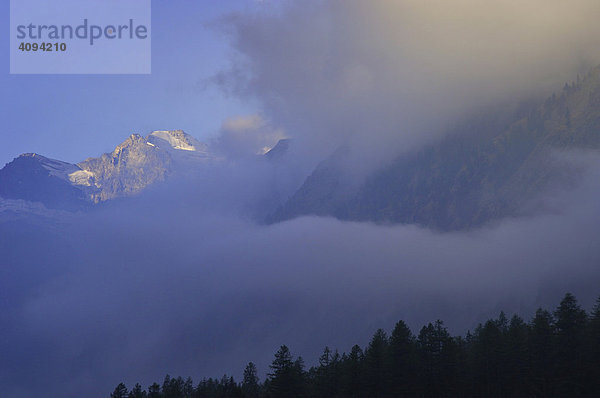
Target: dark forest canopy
[556,354]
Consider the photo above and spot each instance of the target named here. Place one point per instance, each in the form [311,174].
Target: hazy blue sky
[71,117]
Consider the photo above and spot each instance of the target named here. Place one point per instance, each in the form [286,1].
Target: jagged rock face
[139,162]
[132,166]
[135,164]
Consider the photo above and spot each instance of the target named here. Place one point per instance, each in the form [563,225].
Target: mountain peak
[133,139]
[279,150]
[134,164]
[36,157]
[56,168]
[177,139]
[30,155]
[36,178]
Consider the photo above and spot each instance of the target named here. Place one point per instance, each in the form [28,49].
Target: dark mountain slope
[484,170]
[36,178]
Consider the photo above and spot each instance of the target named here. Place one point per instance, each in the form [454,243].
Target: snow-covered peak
[176,139]
[133,165]
[56,168]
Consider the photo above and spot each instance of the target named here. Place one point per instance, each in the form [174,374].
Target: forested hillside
[555,354]
[486,168]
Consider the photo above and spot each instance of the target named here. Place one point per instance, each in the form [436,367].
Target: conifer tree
[250,385]
[438,360]
[285,375]
[352,373]
[517,365]
[120,391]
[137,392]
[593,344]
[541,346]
[403,361]
[154,391]
[570,326]
[376,364]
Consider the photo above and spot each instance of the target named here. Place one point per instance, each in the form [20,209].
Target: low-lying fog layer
[168,284]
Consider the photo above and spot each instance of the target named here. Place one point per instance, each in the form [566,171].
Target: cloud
[390,75]
[251,122]
[246,135]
